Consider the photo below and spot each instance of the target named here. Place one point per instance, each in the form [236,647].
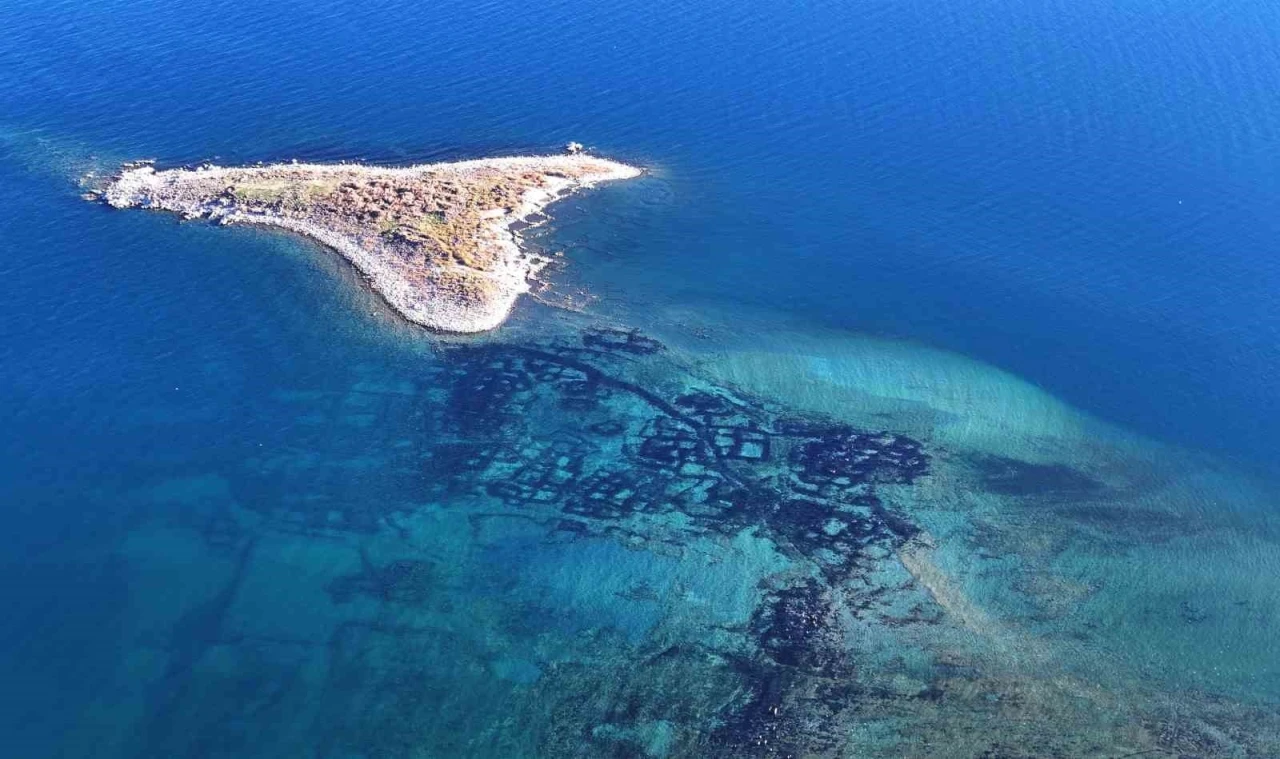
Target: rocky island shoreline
[437,241]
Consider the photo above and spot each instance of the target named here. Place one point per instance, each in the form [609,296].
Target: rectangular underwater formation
[577,547]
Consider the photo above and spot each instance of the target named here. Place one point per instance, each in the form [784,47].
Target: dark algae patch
[1008,476]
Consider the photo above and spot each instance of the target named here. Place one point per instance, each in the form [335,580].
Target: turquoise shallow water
[947,430]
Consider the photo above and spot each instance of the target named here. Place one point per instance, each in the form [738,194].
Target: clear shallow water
[250,513]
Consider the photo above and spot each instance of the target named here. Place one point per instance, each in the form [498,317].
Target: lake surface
[947,427]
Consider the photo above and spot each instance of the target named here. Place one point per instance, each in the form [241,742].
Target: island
[439,242]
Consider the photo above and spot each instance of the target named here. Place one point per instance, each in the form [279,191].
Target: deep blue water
[1083,195]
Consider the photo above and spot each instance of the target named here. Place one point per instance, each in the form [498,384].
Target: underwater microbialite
[574,547]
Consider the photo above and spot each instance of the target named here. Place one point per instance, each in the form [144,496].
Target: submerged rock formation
[436,241]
